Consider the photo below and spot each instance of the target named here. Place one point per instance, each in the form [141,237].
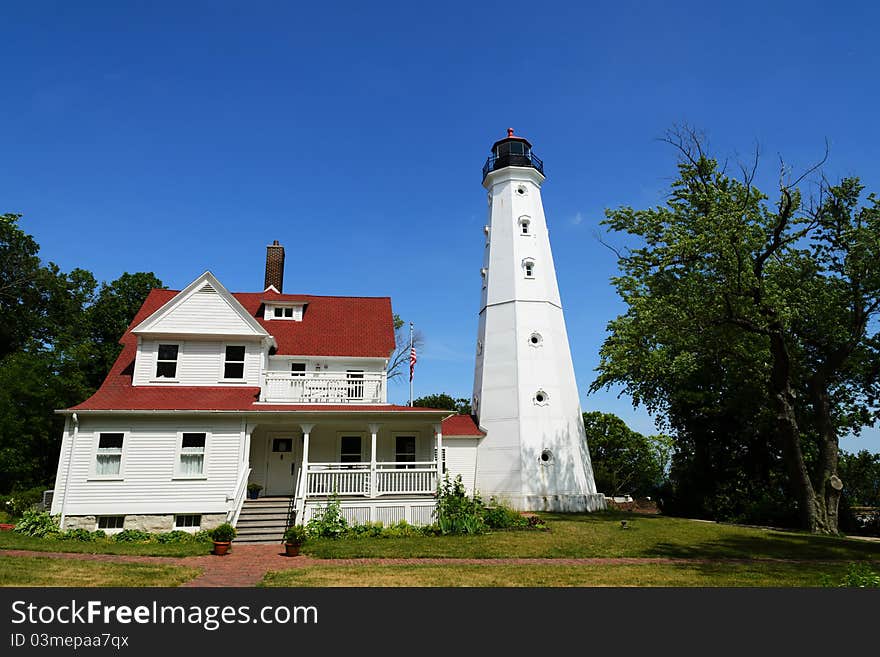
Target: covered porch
[384,466]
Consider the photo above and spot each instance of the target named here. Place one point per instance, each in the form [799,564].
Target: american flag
[412,361]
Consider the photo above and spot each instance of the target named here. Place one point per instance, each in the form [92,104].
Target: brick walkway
[245,565]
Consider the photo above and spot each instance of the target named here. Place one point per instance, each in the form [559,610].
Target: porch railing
[391,478]
[325,387]
[411,478]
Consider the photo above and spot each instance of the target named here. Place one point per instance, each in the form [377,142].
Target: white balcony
[325,388]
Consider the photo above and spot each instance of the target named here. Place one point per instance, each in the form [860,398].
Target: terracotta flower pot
[291,549]
[221,547]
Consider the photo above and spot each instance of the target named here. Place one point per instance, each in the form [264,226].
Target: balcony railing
[513,160]
[325,388]
[391,478]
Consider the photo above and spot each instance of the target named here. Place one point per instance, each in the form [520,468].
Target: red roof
[331,326]
[461,425]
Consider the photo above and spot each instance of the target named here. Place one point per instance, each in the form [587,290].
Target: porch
[380,471]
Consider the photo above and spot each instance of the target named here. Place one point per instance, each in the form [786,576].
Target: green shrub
[456,513]
[499,516]
[329,524]
[132,536]
[176,536]
[296,535]
[20,501]
[202,536]
[83,535]
[223,533]
[37,523]
[858,575]
[371,529]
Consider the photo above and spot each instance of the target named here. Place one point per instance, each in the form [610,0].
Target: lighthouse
[534,456]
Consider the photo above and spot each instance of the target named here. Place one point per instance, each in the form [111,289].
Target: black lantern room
[512,151]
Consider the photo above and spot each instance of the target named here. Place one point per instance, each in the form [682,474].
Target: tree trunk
[788,433]
[828,484]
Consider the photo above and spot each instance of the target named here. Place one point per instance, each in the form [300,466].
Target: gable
[205,307]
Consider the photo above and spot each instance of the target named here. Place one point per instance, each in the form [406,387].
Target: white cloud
[577,219]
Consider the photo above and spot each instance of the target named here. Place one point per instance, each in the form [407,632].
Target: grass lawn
[12,541]
[40,571]
[756,574]
[600,535]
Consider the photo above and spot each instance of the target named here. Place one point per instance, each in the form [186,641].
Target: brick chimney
[274,266]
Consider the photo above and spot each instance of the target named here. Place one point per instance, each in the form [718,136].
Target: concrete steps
[263,520]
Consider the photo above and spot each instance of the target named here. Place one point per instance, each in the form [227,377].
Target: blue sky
[179,137]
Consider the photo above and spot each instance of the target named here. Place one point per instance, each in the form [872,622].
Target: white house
[214,391]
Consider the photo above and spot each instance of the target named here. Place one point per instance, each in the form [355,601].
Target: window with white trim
[404,450]
[293,313]
[166,361]
[297,369]
[350,449]
[525,225]
[233,363]
[191,458]
[529,268]
[188,521]
[111,522]
[108,461]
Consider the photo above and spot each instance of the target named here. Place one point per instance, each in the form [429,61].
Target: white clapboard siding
[203,312]
[461,459]
[199,363]
[149,482]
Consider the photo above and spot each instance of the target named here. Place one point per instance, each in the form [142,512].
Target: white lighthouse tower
[534,456]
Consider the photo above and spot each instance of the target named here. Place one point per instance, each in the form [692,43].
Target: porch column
[303,475]
[438,430]
[374,484]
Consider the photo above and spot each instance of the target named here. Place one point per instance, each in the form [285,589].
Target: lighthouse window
[541,398]
[524,224]
[535,339]
[529,268]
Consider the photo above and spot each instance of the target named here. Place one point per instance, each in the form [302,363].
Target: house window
[192,454]
[297,369]
[166,361]
[282,445]
[355,381]
[111,522]
[190,521]
[350,449]
[404,450]
[109,457]
[233,366]
[285,312]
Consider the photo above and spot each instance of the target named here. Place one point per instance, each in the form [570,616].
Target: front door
[282,465]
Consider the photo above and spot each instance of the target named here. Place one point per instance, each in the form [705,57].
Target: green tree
[59,336]
[624,461]
[442,400]
[861,475]
[785,292]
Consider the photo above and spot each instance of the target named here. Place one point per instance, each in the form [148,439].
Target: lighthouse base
[558,503]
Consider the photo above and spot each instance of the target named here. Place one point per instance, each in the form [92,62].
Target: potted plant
[254,491]
[222,536]
[293,538]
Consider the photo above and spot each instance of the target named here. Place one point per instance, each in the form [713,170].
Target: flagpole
[410,367]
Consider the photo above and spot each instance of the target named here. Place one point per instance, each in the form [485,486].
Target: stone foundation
[155,524]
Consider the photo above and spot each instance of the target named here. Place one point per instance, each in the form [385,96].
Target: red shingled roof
[461,425]
[331,326]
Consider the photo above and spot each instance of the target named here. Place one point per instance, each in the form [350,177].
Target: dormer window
[281,311]
[166,361]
